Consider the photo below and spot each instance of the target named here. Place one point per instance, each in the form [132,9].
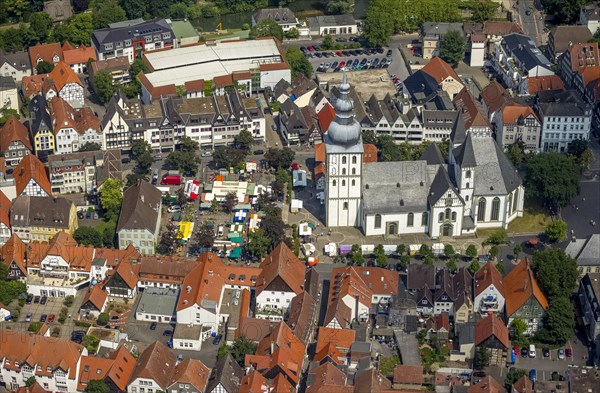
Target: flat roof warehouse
[206,61]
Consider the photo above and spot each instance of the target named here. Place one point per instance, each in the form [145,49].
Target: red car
[339,53]
[310,48]
[517,350]
[569,352]
[342,63]
[51,318]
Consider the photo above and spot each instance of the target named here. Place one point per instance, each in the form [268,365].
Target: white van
[531,351]
[220,231]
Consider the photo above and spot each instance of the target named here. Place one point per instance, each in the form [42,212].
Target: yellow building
[40,218]
[41,127]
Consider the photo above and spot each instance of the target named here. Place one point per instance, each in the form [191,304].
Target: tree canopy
[266,28]
[557,230]
[298,63]
[339,6]
[280,158]
[105,12]
[102,83]
[453,47]
[185,159]
[88,236]
[556,272]
[563,11]
[559,322]
[244,140]
[227,156]
[242,347]
[553,178]
[97,386]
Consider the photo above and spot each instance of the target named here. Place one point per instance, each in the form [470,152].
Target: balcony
[269,310]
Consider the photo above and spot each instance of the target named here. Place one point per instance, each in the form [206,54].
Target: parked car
[43,318]
[533,375]
[389,53]
[51,318]
[561,354]
[28,317]
[334,64]
[44,299]
[36,300]
[531,351]
[259,152]
[327,65]
[546,352]
[341,39]
[339,53]
[569,352]
[524,352]
[29,299]
[168,333]
[318,54]
[153,326]
[310,48]
[174,208]
[217,339]
[342,63]
[517,350]
[77,336]
[355,63]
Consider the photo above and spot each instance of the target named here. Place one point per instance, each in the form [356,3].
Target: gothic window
[495,209]
[441,217]
[510,203]
[345,205]
[468,175]
[343,171]
[516,202]
[354,159]
[467,185]
[481,210]
[354,171]
[466,198]
[377,220]
[448,212]
[353,182]
[410,220]
[453,216]
[343,159]
[343,183]
[424,218]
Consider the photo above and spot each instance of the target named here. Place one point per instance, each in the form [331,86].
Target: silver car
[561,354]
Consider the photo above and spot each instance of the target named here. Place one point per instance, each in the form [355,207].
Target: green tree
[77,30]
[471,251]
[400,249]
[97,386]
[141,152]
[259,244]
[500,267]
[266,28]
[30,381]
[90,146]
[513,375]
[90,341]
[556,272]
[449,251]
[380,257]
[244,140]
[451,265]
[563,11]
[424,250]
[88,236]
[494,250]
[327,43]
[205,236]
[517,249]
[369,137]
[587,158]
[223,350]
[559,322]
[474,266]
[339,6]
[497,238]
[134,8]
[292,33]
[516,153]
[105,12]
[379,26]
[12,40]
[230,201]
[34,327]
[453,47]
[577,147]
[102,83]
[428,259]
[102,319]
[40,23]
[227,157]
[242,347]
[356,255]
[184,161]
[388,364]
[518,327]
[298,62]
[111,197]
[483,10]
[482,357]
[69,300]
[280,158]
[557,230]
[553,178]
[43,67]
[405,261]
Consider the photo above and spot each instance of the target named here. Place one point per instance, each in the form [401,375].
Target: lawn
[531,222]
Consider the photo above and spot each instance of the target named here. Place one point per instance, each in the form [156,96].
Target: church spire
[344,130]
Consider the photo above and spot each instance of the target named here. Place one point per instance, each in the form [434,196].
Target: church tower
[344,160]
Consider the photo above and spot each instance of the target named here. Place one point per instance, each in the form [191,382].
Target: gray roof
[523,48]
[402,186]
[421,86]
[227,373]
[434,29]
[433,155]
[332,20]
[281,15]
[419,276]
[52,212]
[439,119]
[158,301]
[19,60]
[493,174]
[360,347]
[566,103]
[585,252]
[128,31]
[7,83]
[40,117]
[466,333]
[140,208]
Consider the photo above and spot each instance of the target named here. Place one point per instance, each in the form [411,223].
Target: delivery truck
[171,180]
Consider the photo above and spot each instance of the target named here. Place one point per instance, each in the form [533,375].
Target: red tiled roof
[34,84]
[520,285]
[282,263]
[31,168]
[404,374]
[523,385]
[223,81]
[486,276]
[539,83]
[191,371]
[273,67]
[370,153]
[320,152]
[491,326]
[14,250]
[342,339]
[118,367]
[513,112]
[195,85]
[63,114]
[45,52]
[486,385]
[79,55]
[157,363]
[242,75]
[13,130]
[326,116]
[329,379]
[97,296]
[158,91]
[583,55]
[501,28]
[252,383]
[62,75]
[589,74]
[472,112]
[495,96]
[4,208]
[439,70]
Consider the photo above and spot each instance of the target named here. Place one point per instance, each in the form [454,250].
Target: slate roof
[567,103]
[281,15]
[420,276]
[421,86]
[586,252]
[494,173]
[433,155]
[140,208]
[125,32]
[226,372]
[40,116]
[19,60]
[566,35]
[524,49]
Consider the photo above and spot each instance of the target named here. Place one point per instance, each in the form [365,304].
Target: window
[516,201]
[481,209]
[343,159]
[495,209]
[410,220]
[354,171]
[343,183]
[334,183]
[424,219]
[343,171]
[345,205]
[354,159]
[447,213]
[353,182]
[453,216]
[377,220]
[441,217]
[467,185]
[468,175]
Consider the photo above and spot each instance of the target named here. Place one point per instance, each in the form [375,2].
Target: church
[477,188]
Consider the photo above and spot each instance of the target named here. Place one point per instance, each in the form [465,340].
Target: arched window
[377,220]
[354,159]
[343,171]
[424,219]
[510,203]
[353,182]
[334,183]
[345,205]
[481,209]
[354,171]
[516,201]
[343,159]
[468,185]
[448,212]
[495,209]
[343,183]
[410,220]
[468,175]
[453,216]
[466,197]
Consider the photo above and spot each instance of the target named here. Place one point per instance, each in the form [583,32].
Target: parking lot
[351,59]
[52,307]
